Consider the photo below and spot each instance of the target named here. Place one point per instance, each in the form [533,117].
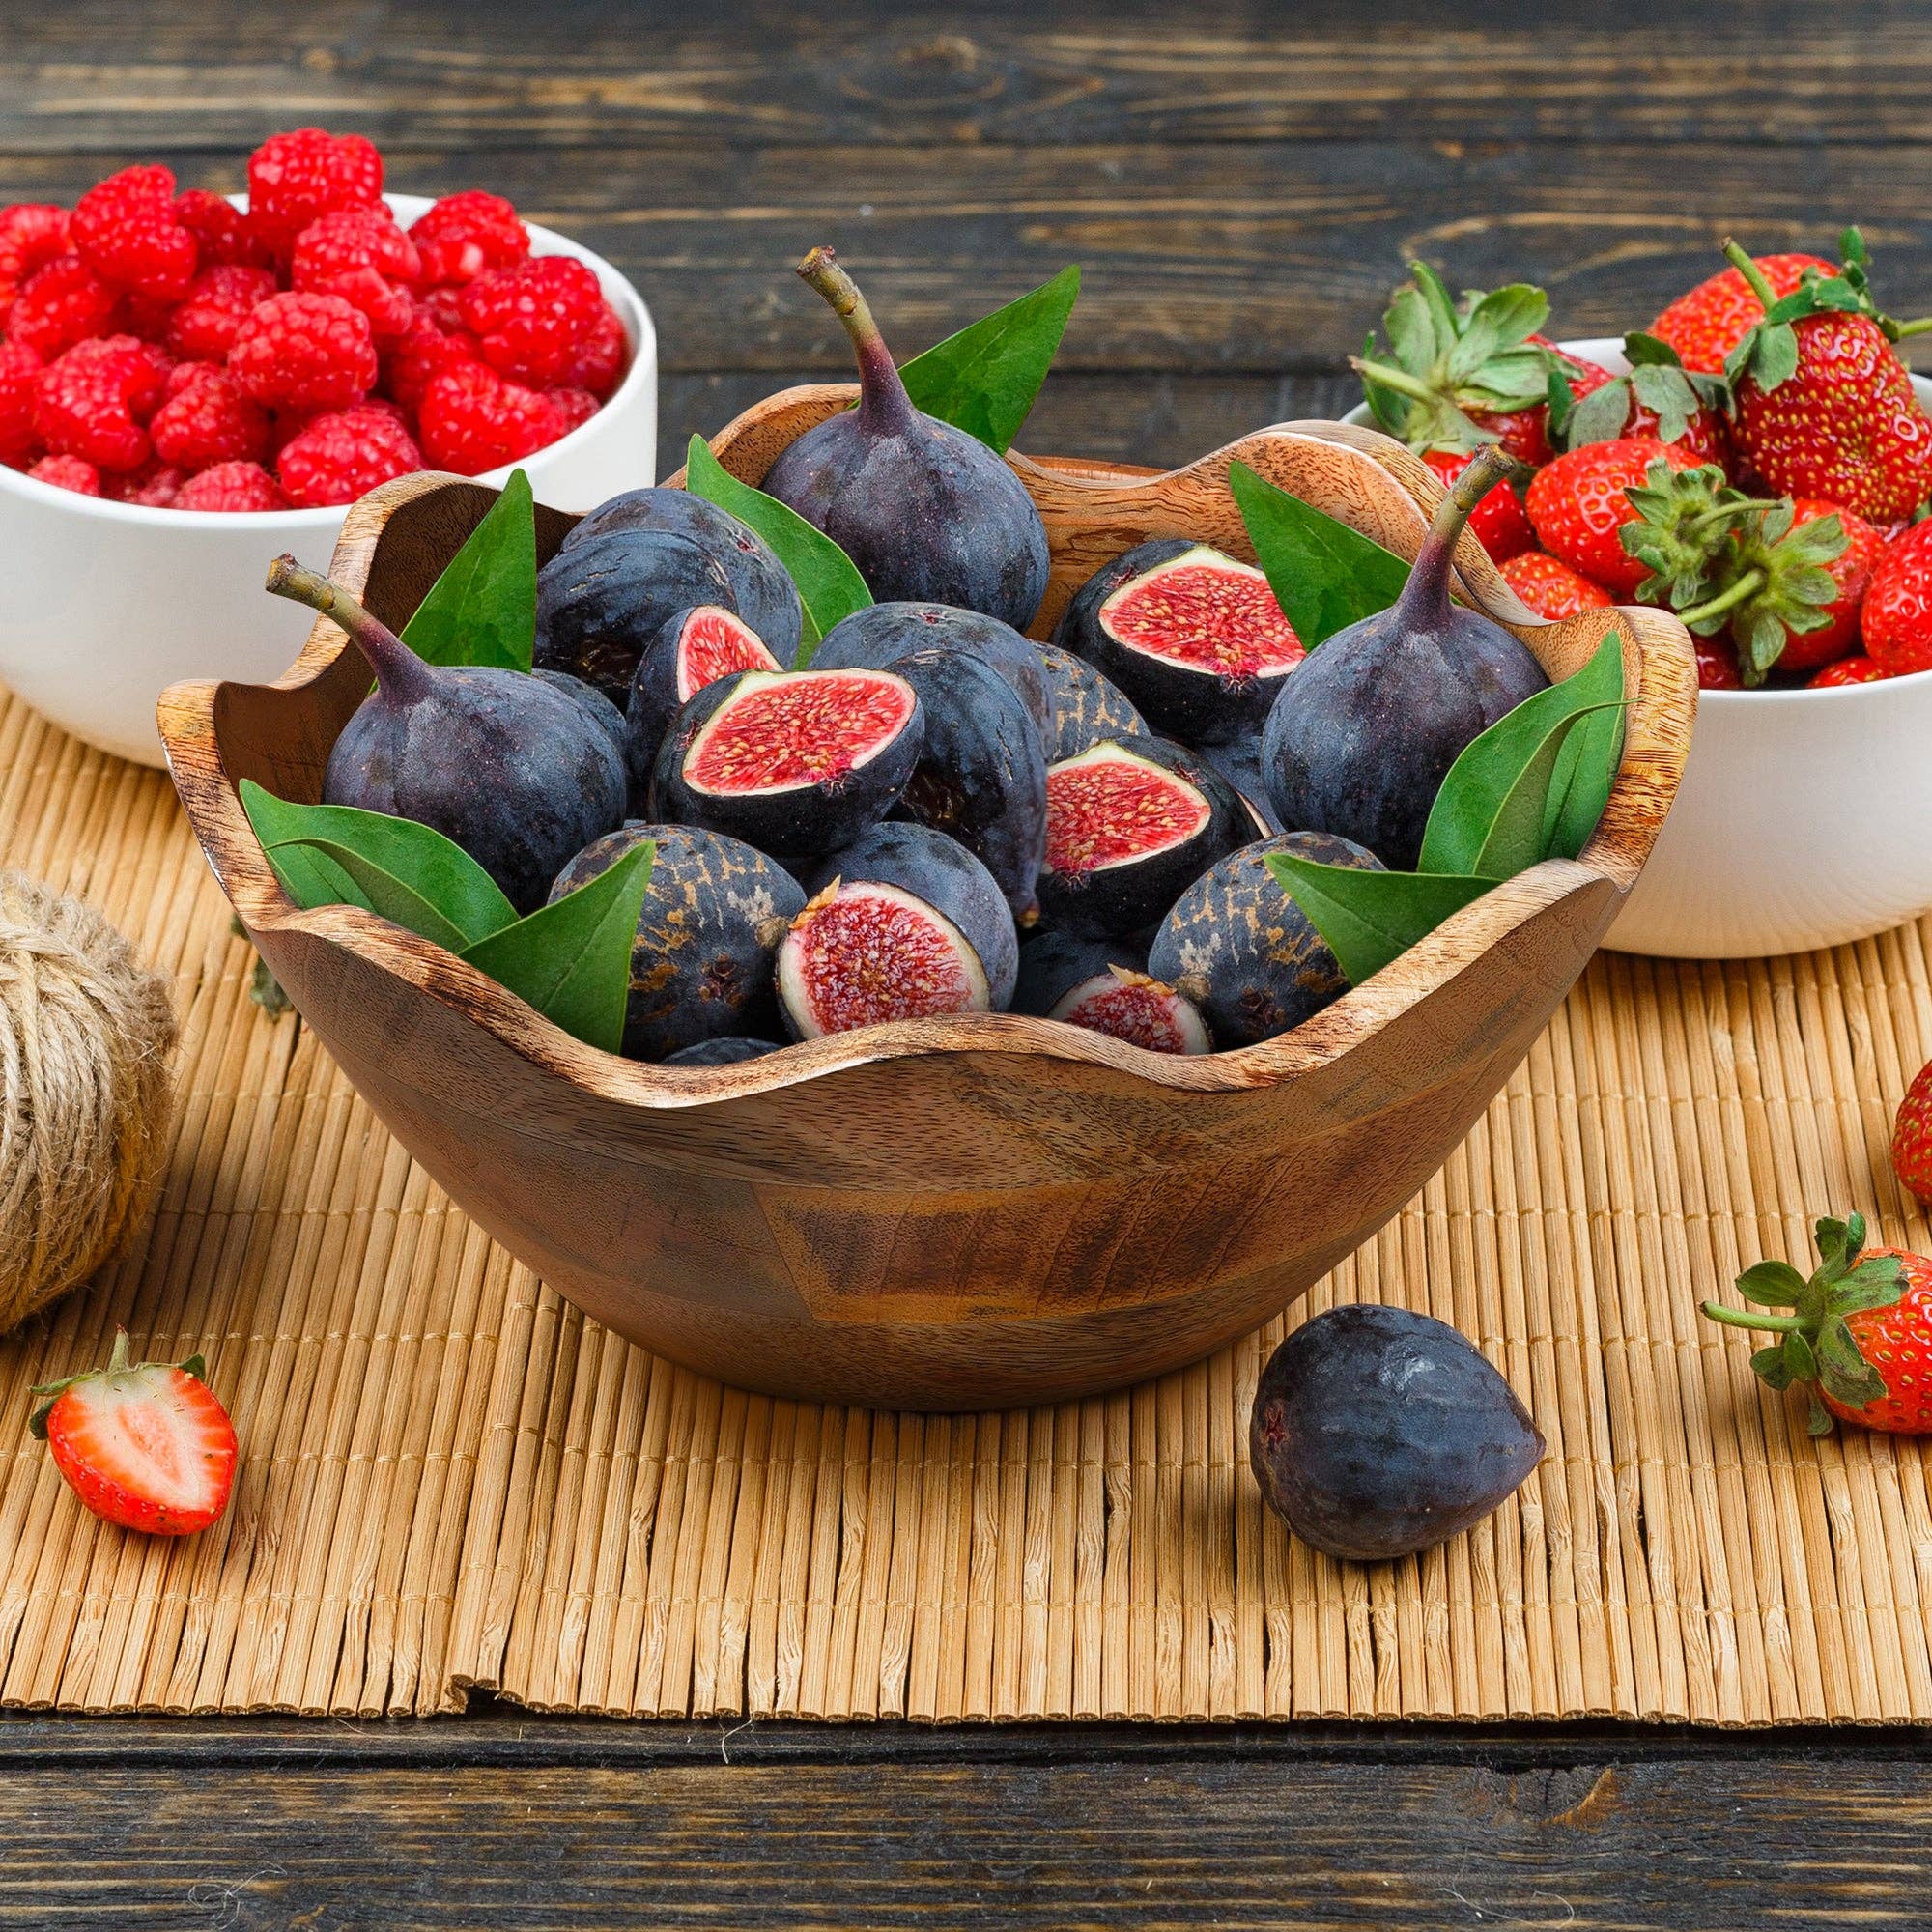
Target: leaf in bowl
[1370,918]
[483,608]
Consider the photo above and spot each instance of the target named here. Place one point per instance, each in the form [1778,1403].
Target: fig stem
[1426,594]
[403,675]
[884,406]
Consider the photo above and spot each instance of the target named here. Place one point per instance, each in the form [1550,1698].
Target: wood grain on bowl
[953,1212]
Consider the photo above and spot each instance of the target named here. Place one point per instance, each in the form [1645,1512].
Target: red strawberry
[1847,670]
[1659,398]
[1912,1137]
[1850,571]
[1525,433]
[1857,1337]
[1551,588]
[1823,406]
[1897,612]
[1717,665]
[1708,322]
[1579,503]
[1498,521]
[145,1445]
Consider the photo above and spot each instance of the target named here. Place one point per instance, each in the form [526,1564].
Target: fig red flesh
[1106,807]
[864,954]
[1205,612]
[782,731]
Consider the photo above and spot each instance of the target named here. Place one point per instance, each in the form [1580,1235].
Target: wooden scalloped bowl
[946,1213]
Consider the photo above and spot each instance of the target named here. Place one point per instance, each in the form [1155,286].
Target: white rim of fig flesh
[797,996]
[753,653]
[795,689]
[1082,772]
[1178,1009]
[1265,637]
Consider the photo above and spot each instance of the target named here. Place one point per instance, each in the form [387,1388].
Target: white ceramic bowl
[1803,818]
[104,604]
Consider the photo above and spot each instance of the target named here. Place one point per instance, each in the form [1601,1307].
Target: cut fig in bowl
[1102,986]
[694,650]
[793,762]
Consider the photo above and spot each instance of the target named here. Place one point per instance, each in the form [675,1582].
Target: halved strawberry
[145,1444]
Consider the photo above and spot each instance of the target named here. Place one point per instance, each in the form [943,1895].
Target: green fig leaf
[828,584]
[1371,917]
[984,378]
[483,608]
[571,959]
[1587,769]
[407,873]
[1499,810]
[1325,576]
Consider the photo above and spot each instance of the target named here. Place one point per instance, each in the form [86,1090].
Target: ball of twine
[87,1038]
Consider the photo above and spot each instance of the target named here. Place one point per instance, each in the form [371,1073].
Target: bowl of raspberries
[1756,459]
[191,381]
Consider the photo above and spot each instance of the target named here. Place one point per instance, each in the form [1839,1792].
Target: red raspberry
[210,421]
[602,357]
[339,458]
[68,473]
[20,373]
[305,353]
[61,304]
[226,236]
[575,407]
[232,486]
[155,486]
[128,234]
[444,308]
[294,177]
[418,354]
[463,236]
[204,327]
[530,322]
[147,317]
[473,420]
[185,373]
[32,234]
[361,255]
[92,403]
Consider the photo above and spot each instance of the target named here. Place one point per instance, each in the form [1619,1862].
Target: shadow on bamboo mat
[450,1478]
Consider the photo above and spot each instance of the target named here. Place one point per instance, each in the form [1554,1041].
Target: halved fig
[1102,984]
[793,762]
[903,923]
[695,647]
[1195,639]
[1129,826]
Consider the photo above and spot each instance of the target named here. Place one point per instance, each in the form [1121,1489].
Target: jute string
[87,1040]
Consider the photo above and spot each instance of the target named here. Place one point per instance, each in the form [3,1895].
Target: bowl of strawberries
[1758,460]
[191,381]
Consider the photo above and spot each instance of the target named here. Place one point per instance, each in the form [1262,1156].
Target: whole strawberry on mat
[146,1446]
[1912,1138]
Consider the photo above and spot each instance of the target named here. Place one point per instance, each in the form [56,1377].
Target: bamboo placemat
[449,1478]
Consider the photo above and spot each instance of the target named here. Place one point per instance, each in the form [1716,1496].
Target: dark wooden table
[1241,183]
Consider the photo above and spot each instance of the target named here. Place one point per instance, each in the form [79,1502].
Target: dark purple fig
[729,1050]
[1085,705]
[516,771]
[708,933]
[877,637]
[1244,952]
[1240,764]
[635,562]
[1131,825]
[1377,1432]
[695,647]
[981,774]
[793,762]
[598,708]
[904,923]
[1365,732]
[1103,985]
[1196,640]
[927,512]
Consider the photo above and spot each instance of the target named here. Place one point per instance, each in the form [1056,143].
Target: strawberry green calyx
[1768,355]
[1658,381]
[1445,361]
[1816,1349]
[118,1364]
[1681,532]
[1772,582]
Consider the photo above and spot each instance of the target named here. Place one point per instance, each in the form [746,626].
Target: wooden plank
[190,74]
[1202,1831]
[1218,259]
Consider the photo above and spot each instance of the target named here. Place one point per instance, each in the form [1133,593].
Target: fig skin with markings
[708,933]
[1377,1432]
[925,511]
[1085,705]
[1239,762]
[1244,952]
[876,637]
[638,560]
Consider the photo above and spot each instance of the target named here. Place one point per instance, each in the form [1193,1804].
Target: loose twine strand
[87,1038]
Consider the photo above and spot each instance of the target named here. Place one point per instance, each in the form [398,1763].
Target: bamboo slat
[450,1478]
